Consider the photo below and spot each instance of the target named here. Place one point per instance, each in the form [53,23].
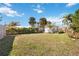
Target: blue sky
[21,12]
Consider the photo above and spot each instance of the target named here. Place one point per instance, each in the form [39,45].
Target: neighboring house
[2,31]
[51,30]
[48,30]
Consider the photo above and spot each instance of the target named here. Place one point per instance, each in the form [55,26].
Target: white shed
[2,31]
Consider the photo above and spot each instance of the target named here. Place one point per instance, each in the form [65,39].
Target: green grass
[40,45]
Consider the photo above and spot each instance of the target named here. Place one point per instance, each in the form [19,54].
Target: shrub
[13,31]
[60,31]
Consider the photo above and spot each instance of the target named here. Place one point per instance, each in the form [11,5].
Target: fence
[2,31]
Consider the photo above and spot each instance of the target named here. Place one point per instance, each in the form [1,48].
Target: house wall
[2,31]
[52,30]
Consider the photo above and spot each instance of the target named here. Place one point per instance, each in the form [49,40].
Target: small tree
[11,27]
[13,24]
[50,24]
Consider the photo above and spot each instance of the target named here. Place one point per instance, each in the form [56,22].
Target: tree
[72,20]
[75,21]
[32,22]
[67,20]
[43,23]
[49,24]
[11,27]
[13,24]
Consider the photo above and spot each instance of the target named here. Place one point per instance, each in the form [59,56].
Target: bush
[60,31]
[22,31]
[32,30]
[11,31]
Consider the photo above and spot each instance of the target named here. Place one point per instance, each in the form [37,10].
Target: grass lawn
[39,45]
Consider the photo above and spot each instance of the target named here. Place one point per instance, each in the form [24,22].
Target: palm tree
[73,22]
[43,23]
[32,22]
[67,19]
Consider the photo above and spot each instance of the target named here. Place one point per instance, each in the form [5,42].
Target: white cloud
[38,9]
[9,12]
[7,4]
[71,4]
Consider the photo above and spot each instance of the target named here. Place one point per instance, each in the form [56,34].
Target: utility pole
[0,18]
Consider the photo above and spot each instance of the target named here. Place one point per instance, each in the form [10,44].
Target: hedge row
[22,30]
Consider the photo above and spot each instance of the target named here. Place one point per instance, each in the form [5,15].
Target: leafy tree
[11,27]
[32,22]
[49,24]
[75,21]
[14,23]
[43,23]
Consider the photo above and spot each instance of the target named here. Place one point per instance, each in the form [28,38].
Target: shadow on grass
[6,45]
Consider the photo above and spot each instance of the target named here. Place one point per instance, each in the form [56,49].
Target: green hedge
[60,31]
[22,30]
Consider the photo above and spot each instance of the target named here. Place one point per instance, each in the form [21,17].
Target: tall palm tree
[67,20]
[32,22]
[43,23]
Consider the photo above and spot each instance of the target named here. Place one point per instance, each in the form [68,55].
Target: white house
[52,30]
[48,30]
[2,31]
